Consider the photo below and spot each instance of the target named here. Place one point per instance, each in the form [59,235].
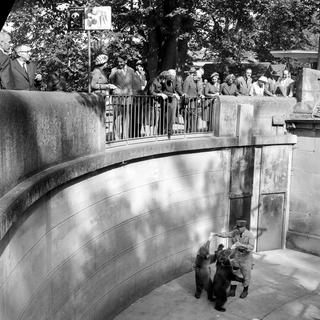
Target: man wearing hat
[243,245]
[23,71]
[259,88]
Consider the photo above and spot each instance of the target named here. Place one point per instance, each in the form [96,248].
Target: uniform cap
[241,223]
[101,59]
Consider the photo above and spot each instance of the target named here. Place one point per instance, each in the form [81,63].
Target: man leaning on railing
[154,123]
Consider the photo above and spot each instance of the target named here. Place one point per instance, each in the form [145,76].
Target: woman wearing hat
[228,87]
[259,88]
[212,89]
[99,81]
[99,84]
[243,244]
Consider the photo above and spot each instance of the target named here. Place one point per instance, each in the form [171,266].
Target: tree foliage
[164,33]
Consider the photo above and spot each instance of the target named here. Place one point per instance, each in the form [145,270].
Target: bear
[222,278]
[202,270]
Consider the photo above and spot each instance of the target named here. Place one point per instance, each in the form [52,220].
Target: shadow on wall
[105,241]
[41,129]
[20,150]
[93,101]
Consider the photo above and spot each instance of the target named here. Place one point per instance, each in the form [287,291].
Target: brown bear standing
[222,278]
[202,270]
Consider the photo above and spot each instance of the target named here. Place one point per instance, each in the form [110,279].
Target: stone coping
[14,203]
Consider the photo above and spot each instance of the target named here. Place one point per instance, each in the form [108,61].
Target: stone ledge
[274,140]
[14,203]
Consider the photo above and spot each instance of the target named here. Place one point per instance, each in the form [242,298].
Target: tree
[164,33]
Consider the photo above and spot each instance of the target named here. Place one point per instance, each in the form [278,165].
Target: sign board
[97,18]
[76,18]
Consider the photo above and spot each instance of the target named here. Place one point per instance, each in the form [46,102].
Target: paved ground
[285,286]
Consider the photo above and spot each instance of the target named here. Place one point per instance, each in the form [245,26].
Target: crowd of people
[138,107]
[173,98]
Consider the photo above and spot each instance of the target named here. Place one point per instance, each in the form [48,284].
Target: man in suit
[123,77]
[5,45]
[244,83]
[193,89]
[23,71]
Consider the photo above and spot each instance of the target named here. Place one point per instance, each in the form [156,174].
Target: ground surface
[285,286]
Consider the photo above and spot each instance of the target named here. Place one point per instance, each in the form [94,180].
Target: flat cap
[241,223]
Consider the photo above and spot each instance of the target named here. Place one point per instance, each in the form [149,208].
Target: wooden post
[89,61]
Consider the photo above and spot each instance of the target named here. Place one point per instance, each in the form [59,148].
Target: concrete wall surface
[86,231]
[90,248]
[40,129]
[304,222]
[266,110]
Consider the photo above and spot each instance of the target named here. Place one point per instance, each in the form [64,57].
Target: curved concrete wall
[77,246]
[90,249]
[40,129]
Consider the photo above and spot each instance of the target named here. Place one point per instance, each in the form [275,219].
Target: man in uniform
[243,245]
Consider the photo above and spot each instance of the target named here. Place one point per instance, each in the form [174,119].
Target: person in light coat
[259,88]
[243,245]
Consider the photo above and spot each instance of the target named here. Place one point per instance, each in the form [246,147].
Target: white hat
[23,48]
[263,79]
[101,59]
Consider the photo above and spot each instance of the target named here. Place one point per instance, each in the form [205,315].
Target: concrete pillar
[255,199]
[244,123]
[225,124]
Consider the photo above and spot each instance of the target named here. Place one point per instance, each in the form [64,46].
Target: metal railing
[141,116]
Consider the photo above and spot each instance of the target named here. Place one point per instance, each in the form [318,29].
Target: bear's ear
[203,251]
[220,247]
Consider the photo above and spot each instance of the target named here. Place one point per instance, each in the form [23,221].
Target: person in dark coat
[140,106]
[5,45]
[170,89]
[211,92]
[123,77]
[229,87]
[23,71]
[244,83]
[193,89]
[56,82]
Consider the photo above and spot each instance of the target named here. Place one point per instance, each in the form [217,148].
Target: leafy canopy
[164,33]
